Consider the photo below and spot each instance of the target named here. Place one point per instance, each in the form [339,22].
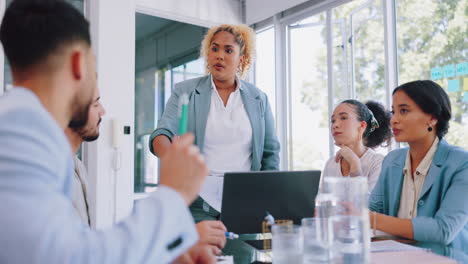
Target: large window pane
[358,53]
[308,139]
[265,65]
[341,72]
[166,53]
[363,22]
[430,35]
[153,89]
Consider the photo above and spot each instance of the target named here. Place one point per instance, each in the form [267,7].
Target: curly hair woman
[231,119]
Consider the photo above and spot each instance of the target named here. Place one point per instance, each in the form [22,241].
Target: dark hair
[432,99]
[377,136]
[31,30]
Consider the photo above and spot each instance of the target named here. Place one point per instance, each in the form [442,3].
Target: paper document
[378,233]
[390,246]
[409,257]
[212,191]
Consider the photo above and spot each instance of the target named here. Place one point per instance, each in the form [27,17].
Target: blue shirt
[38,223]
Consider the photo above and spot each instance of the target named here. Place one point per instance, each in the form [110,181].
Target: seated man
[211,233]
[76,136]
[55,80]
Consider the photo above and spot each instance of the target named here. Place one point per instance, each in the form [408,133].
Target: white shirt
[371,164]
[80,193]
[412,188]
[228,142]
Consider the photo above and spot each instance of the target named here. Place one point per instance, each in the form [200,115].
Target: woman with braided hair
[357,129]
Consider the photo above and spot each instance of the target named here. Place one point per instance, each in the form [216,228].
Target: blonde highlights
[244,36]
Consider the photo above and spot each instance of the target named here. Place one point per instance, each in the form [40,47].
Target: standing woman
[230,118]
[357,129]
[422,191]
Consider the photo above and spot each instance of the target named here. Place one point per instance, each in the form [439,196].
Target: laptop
[247,196]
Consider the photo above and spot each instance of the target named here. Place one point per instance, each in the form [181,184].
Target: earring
[429,129]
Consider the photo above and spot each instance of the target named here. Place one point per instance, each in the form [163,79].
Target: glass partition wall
[167,52]
[368,39]
[331,52]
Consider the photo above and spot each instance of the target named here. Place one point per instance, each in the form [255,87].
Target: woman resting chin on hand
[357,128]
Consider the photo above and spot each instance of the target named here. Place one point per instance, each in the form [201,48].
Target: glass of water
[349,240]
[287,245]
[315,233]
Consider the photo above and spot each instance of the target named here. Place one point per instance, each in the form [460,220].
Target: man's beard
[86,134]
[80,116]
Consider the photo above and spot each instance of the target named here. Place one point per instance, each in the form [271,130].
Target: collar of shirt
[425,164]
[238,83]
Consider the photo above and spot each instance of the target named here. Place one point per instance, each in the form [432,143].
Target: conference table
[248,249]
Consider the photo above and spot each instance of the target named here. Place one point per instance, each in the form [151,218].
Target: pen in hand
[231,235]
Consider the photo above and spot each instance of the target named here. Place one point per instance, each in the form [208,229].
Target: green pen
[183,113]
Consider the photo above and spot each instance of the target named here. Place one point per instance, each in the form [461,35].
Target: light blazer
[443,204]
[265,145]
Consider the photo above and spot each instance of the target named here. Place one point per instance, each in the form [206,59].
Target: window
[166,53]
[265,65]
[358,60]
[187,71]
[367,57]
[308,87]
[358,53]
[153,89]
[431,37]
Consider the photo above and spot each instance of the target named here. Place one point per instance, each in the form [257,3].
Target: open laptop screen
[288,195]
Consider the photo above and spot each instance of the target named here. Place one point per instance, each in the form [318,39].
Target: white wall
[198,12]
[258,10]
[113,35]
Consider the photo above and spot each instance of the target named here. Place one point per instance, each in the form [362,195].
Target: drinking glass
[287,245]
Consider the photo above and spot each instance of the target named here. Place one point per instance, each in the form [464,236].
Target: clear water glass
[327,199]
[315,233]
[287,244]
[345,197]
[349,240]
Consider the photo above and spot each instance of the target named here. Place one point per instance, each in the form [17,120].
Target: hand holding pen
[212,233]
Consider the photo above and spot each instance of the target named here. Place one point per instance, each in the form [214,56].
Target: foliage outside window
[433,34]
